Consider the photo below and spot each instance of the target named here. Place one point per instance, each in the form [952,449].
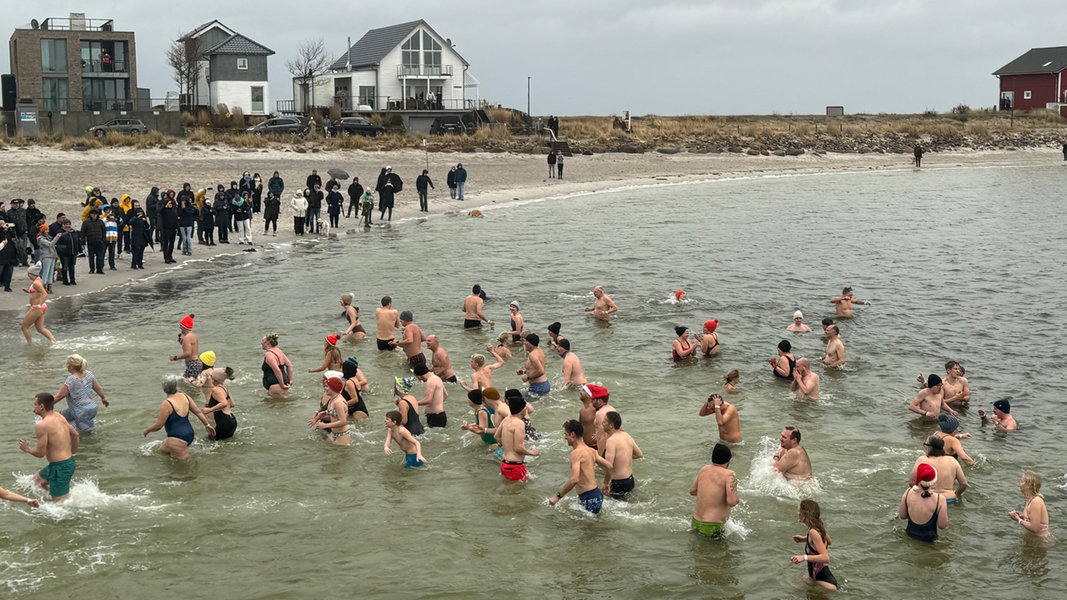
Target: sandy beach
[56,179]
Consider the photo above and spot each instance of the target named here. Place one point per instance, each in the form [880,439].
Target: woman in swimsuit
[174,417]
[78,390]
[516,323]
[331,356]
[730,381]
[682,348]
[332,417]
[816,545]
[1034,517]
[355,331]
[357,409]
[277,370]
[220,404]
[925,512]
[35,314]
[709,342]
[786,363]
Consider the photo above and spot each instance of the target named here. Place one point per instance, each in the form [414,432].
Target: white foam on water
[766,480]
[86,498]
[90,344]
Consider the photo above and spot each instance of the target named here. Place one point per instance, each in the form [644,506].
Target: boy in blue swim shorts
[583,470]
[403,438]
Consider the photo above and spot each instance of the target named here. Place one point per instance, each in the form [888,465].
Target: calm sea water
[960,263]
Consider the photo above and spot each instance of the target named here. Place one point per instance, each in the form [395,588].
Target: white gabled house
[401,67]
[233,69]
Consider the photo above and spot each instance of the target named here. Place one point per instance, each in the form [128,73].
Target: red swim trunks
[513,471]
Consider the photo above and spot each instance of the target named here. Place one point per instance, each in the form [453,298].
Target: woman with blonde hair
[78,390]
[731,380]
[816,545]
[220,404]
[331,356]
[355,330]
[1034,517]
[277,368]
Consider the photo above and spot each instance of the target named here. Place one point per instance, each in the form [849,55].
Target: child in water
[407,442]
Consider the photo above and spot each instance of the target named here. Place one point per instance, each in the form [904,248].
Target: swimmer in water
[683,346]
[730,381]
[603,306]
[726,417]
[482,377]
[584,461]
[709,342]
[38,308]
[843,303]
[798,325]
[190,349]
[411,447]
[715,488]
[816,545]
[355,330]
[1034,517]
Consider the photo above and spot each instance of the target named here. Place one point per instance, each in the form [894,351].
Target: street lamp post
[528,98]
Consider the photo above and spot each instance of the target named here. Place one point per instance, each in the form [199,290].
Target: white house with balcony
[401,67]
[232,69]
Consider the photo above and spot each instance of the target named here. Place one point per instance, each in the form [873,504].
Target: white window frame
[242,64]
[1026,95]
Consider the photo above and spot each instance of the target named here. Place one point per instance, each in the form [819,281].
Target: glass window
[242,64]
[410,52]
[1026,95]
[431,55]
[366,95]
[55,92]
[54,56]
[105,94]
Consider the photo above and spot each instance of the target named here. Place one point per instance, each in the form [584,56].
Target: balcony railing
[379,104]
[404,71]
[99,66]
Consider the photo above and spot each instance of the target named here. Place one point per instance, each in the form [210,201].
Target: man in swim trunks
[957,389]
[1001,418]
[930,400]
[533,373]
[35,314]
[587,414]
[603,307]
[620,450]
[715,488]
[835,348]
[726,417]
[57,441]
[408,443]
[805,382]
[434,400]
[473,305]
[600,396]
[439,361]
[573,374]
[511,433]
[791,459]
[583,470]
[190,349]
[412,340]
[843,303]
[388,320]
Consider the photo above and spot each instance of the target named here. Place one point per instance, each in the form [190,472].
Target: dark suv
[355,126]
[297,125]
[130,126]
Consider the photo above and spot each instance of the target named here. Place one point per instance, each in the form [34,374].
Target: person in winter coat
[151,208]
[272,208]
[168,225]
[95,241]
[299,204]
[207,223]
[386,198]
[140,236]
[452,183]
[257,192]
[222,214]
[48,257]
[461,180]
[68,247]
[334,203]
[8,256]
[187,215]
[232,194]
[242,214]
[422,185]
[314,212]
[276,184]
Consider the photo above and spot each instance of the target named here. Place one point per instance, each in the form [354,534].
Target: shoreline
[495,180]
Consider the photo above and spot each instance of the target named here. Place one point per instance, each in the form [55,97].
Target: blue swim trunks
[58,476]
[499,453]
[540,388]
[592,500]
[412,460]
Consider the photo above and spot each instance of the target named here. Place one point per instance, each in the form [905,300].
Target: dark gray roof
[1037,60]
[201,29]
[239,44]
[374,45]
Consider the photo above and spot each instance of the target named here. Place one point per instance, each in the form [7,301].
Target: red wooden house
[1035,80]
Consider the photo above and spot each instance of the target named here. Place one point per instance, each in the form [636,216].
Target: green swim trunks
[713,530]
[58,476]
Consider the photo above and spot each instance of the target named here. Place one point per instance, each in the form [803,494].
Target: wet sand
[56,179]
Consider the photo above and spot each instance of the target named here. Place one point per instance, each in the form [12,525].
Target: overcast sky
[667,57]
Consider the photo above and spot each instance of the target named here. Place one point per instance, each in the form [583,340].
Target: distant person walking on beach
[918,155]
[461,180]
[451,180]
[57,441]
[421,184]
[272,208]
[299,204]
[559,164]
[367,204]
[552,162]
[355,193]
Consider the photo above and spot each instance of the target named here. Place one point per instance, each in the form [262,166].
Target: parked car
[130,126]
[355,126]
[297,125]
[447,124]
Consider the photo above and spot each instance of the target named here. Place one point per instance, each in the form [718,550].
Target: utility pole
[528,115]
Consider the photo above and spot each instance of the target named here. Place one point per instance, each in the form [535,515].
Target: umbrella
[338,173]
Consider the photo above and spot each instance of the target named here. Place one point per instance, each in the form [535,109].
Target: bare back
[388,320]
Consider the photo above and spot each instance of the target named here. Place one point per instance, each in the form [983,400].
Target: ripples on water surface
[959,264]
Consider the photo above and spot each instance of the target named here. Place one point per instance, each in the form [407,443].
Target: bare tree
[183,59]
[310,62]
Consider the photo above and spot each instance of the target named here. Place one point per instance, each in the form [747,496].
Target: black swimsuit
[356,406]
[924,532]
[269,378]
[820,571]
[792,365]
[225,425]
